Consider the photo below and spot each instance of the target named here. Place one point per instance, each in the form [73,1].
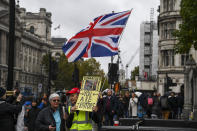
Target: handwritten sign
[89,92]
[86,100]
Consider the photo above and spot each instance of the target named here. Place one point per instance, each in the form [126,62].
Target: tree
[64,78]
[135,72]
[187,33]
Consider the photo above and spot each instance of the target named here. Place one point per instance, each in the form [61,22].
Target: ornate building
[170,64]
[32,41]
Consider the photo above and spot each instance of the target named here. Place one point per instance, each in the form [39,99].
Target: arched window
[32,29]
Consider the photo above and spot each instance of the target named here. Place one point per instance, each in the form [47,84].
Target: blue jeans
[108,120]
[126,114]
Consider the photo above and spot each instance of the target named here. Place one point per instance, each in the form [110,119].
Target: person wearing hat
[7,111]
[79,120]
[51,118]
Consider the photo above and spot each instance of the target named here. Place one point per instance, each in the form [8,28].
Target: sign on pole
[40,87]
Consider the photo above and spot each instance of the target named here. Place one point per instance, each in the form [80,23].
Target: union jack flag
[99,39]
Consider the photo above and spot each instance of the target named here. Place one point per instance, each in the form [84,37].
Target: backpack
[164,102]
[150,101]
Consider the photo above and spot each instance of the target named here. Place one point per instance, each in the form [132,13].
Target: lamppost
[75,76]
[56,69]
[49,75]
[11,44]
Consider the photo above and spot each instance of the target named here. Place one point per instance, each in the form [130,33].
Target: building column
[195,94]
[187,95]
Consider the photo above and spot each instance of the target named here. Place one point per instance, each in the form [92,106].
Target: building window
[172,57]
[171,28]
[168,5]
[32,29]
[167,30]
[168,57]
[184,59]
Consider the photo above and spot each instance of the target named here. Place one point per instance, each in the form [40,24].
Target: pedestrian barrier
[171,123]
[143,128]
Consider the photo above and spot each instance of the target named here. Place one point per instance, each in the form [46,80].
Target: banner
[89,92]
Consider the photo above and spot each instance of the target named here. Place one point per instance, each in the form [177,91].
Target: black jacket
[31,118]
[45,118]
[7,112]
[112,106]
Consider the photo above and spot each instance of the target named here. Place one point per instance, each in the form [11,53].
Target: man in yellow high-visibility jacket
[79,120]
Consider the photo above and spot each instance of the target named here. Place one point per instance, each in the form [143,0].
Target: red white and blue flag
[99,39]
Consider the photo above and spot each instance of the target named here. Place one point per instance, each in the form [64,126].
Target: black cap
[2,92]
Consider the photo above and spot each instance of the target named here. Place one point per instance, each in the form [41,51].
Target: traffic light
[54,70]
[75,76]
[112,73]
[170,82]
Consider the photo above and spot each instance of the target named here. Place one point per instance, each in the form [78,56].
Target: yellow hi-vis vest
[81,122]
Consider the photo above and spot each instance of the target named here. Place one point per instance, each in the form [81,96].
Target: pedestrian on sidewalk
[133,105]
[180,103]
[109,108]
[7,111]
[125,101]
[156,111]
[164,104]
[32,115]
[173,105]
[51,118]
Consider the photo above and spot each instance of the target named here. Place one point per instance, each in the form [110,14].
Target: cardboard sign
[89,92]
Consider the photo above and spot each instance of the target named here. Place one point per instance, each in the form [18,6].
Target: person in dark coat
[51,118]
[165,108]
[31,116]
[156,111]
[7,111]
[173,105]
[100,111]
[126,100]
[109,108]
[180,103]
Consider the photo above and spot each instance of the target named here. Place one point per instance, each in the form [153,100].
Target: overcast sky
[74,15]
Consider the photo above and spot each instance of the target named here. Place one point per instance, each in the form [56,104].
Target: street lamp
[49,75]
[11,44]
[75,75]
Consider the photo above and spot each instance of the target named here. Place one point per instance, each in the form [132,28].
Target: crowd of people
[59,113]
[143,105]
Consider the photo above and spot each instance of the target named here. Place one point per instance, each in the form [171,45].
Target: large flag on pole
[99,39]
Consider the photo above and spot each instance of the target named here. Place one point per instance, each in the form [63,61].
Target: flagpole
[112,56]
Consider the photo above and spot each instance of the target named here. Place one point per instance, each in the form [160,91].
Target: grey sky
[74,15]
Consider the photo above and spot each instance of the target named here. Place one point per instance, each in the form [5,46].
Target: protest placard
[89,92]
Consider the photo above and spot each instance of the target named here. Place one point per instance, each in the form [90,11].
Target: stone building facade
[171,64]
[57,48]
[32,42]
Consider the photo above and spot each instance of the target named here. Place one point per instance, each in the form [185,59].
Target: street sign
[40,87]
